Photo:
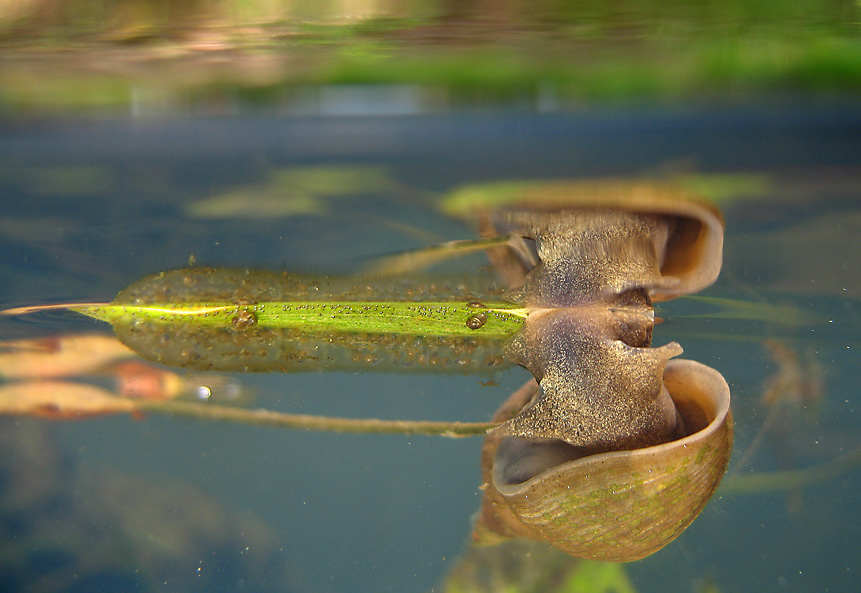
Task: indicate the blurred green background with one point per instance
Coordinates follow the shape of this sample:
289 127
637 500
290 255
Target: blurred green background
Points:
549 54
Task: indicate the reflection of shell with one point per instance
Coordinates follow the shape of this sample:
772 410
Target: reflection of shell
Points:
690 255
616 506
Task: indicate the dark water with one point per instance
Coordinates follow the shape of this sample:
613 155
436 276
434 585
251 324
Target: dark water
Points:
88 206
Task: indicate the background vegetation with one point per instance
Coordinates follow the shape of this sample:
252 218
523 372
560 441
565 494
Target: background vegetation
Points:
547 54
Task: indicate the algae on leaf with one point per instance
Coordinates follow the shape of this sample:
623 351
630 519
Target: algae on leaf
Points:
239 320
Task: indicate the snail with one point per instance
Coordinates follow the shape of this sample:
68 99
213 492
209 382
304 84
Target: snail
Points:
614 449
618 505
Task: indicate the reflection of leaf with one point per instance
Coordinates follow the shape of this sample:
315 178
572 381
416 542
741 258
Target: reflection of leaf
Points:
334 181
467 198
60 356
257 203
559 193
294 191
726 187
60 399
609 192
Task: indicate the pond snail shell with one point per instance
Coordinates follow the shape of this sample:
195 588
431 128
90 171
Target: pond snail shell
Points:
614 506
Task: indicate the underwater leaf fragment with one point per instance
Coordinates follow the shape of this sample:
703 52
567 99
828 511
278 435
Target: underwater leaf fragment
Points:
60 399
59 356
468 198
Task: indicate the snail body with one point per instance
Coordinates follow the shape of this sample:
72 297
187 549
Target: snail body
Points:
594 389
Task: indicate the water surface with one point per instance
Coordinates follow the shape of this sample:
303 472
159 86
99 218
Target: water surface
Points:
90 205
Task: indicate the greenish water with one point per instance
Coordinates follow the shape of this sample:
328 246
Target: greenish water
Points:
89 205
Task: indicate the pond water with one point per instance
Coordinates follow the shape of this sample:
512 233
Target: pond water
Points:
118 503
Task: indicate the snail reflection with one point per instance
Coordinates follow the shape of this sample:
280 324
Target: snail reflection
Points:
614 447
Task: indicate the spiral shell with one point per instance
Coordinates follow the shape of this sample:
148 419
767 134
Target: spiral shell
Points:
615 506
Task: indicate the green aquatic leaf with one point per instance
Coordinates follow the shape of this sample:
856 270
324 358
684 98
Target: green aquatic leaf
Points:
311 336
496 320
241 320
